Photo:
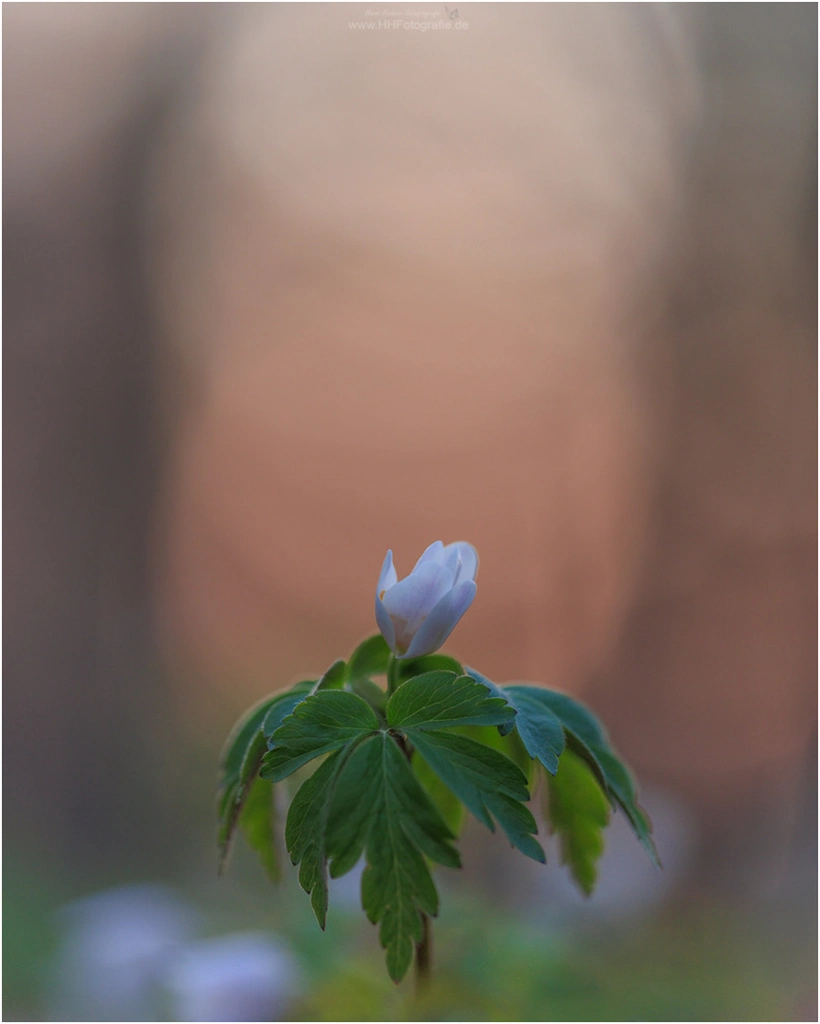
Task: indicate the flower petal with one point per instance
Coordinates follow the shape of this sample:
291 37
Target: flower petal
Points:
442 620
412 599
385 624
433 553
467 562
388 576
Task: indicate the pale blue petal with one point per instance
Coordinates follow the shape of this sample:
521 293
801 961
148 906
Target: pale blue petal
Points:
385 624
467 561
442 620
418 593
412 599
387 577
451 557
433 553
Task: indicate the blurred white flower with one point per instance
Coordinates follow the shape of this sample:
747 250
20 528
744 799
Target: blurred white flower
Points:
113 950
241 977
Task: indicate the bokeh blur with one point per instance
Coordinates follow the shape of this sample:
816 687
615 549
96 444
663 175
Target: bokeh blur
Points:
287 285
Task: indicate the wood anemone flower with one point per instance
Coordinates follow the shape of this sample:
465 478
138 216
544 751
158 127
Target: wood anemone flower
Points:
417 614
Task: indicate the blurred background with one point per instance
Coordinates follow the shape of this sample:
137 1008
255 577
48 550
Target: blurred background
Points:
287 285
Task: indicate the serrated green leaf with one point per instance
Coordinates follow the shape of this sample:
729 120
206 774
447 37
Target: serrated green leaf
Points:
283 705
305 831
622 787
241 758
253 757
488 782
236 795
495 691
369 659
575 717
373 776
335 677
447 803
257 824
352 815
380 808
540 730
236 746
578 811
509 745
321 723
440 700
587 737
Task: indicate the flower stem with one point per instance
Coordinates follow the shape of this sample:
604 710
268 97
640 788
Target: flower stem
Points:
424 953
392 675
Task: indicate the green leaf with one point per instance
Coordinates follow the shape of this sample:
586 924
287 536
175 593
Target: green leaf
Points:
252 759
496 691
335 677
238 790
373 774
321 723
380 808
370 692
305 831
447 803
442 700
575 717
257 825
427 663
283 705
510 745
225 797
587 737
241 758
370 658
622 787
540 730
487 781
233 753
578 811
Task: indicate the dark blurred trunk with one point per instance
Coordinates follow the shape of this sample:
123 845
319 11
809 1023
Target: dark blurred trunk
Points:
721 651
85 433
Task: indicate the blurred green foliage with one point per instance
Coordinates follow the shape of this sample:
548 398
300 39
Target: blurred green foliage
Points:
697 961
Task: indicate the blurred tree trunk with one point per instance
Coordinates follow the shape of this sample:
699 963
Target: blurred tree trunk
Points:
85 431
720 652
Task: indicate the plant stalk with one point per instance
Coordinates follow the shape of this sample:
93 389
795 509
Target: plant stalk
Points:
424 954
392 675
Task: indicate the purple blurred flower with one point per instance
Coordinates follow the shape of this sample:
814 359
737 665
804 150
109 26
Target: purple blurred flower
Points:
239 977
417 614
114 950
